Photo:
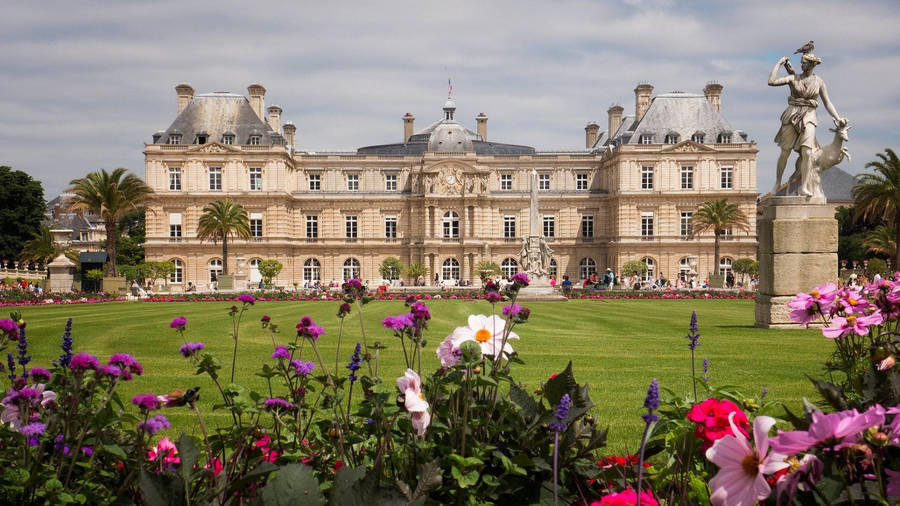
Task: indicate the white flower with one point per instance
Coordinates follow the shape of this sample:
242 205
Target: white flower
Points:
411 386
487 331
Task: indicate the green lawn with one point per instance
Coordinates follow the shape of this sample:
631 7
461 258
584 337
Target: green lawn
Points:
616 346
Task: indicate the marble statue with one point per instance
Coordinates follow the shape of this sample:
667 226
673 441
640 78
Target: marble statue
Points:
798 125
536 253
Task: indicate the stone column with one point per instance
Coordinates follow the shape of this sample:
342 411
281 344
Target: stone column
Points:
60 268
797 251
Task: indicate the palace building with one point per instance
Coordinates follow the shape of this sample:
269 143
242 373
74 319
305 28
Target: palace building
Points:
446 197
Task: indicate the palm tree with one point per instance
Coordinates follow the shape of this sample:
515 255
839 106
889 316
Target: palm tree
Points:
878 195
718 215
109 195
880 241
221 219
40 248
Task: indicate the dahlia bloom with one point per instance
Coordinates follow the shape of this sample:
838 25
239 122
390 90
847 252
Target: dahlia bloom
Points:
487 331
10 328
741 480
124 360
627 497
828 427
713 422
842 326
410 384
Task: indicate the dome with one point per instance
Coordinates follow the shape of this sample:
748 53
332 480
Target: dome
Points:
449 104
450 137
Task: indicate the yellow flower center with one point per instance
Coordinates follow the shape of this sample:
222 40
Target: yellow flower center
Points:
852 301
483 335
750 465
851 320
814 293
421 396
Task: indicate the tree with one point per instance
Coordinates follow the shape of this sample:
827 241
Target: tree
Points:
269 270
414 271
109 195
634 265
487 269
878 195
390 268
158 270
718 215
880 241
132 234
745 267
41 248
21 211
220 220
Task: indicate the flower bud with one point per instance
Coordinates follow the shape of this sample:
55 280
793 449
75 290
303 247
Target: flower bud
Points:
471 351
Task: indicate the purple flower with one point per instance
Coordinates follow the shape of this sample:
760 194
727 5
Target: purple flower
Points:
355 360
305 321
87 450
353 286
562 413
178 323
83 361
109 370
126 361
66 346
11 362
693 336
281 351
307 328
24 357
34 429
154 424
399 322
190 349
279 405
60 445
344 310
10 328
705 369
420 311
511 310
302 368
40 374
246 298
265 319
651 402
147 402
520 279
494 297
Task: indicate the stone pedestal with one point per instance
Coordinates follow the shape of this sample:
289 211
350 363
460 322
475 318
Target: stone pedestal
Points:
225 282
797 250
61 277
539 289
115 285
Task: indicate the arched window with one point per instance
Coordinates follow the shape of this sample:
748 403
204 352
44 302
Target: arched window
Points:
215 269
553 268
351 268
451 224
255 276
177 275
587 266
649 276
509 267
684 268
312 270
725 264
450 269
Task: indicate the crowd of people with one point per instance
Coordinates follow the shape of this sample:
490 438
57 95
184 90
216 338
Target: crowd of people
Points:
21 285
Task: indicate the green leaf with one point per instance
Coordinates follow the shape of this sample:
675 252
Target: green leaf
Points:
115 450
832 393
484 380
429 479
293 484
465 480
189 453
563 383
348 489
529 408
163 489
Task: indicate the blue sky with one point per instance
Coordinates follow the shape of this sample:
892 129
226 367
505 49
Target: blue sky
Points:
85 84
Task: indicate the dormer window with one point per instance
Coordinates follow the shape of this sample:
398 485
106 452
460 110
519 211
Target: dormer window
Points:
254 140
724 138
175 139
671 139
202 138
645 139
228 139
698 138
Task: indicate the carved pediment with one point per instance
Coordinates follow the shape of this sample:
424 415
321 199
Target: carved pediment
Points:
687 146
213 147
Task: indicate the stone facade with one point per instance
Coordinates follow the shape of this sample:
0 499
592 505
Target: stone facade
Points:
447 210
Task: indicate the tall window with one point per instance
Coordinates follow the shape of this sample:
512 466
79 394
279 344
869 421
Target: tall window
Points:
312 270
450 269
586 267
646 178
175 139
553 267
390 182
352 182
174 179
506 182
687 223
451 224
687 177
645 139
390 227
315 182
725 266
647 225
215 269
549 226
255 178
684 268
543 182
727 178
587 225
175 226
215 178
671 139
648 276
312 227
177 276
256 225
509 226
509 267
254 140
175 231
351 268
581 181
350 227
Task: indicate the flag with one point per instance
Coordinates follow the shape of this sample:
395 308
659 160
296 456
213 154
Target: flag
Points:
450 86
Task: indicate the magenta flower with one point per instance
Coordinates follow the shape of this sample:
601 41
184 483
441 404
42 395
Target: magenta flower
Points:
178 323
124 360
494 297
281 351
809 472
307 328
111 371
742 469
83 361
279 405
302 368
841 326
190 349
246 298
806 306
828 428
154 424
420 310
39 374
893 483
399 322
520 278
10 328
147 402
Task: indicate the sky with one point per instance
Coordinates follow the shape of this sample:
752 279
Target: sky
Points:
83 85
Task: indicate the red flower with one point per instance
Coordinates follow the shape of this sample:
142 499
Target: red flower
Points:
711 417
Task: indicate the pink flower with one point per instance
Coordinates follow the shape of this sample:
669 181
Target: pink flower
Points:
411 386
807 306
893 483
808 473
852 323
853 302
627 497
830 427
741 480
166 450
887 363
447 354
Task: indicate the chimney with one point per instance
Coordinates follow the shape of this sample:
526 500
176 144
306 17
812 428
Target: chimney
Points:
615 119
275 118
590 134
185 95
642 100
713 92
408 121
290 135
481 119
257 92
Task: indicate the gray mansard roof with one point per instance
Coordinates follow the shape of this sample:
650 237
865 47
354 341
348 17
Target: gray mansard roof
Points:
683 114
217 114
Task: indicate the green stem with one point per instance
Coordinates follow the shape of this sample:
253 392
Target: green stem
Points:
362 330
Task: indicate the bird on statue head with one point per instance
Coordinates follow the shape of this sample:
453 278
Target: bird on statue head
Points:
806 48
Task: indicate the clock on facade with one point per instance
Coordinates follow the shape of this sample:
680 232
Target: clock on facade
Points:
451 179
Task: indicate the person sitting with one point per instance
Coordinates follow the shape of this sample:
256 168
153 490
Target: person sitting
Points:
566 284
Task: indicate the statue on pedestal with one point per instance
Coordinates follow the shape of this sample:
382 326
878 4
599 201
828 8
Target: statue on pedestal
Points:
798 125
536 253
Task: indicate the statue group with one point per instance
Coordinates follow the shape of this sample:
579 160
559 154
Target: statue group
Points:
798 126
